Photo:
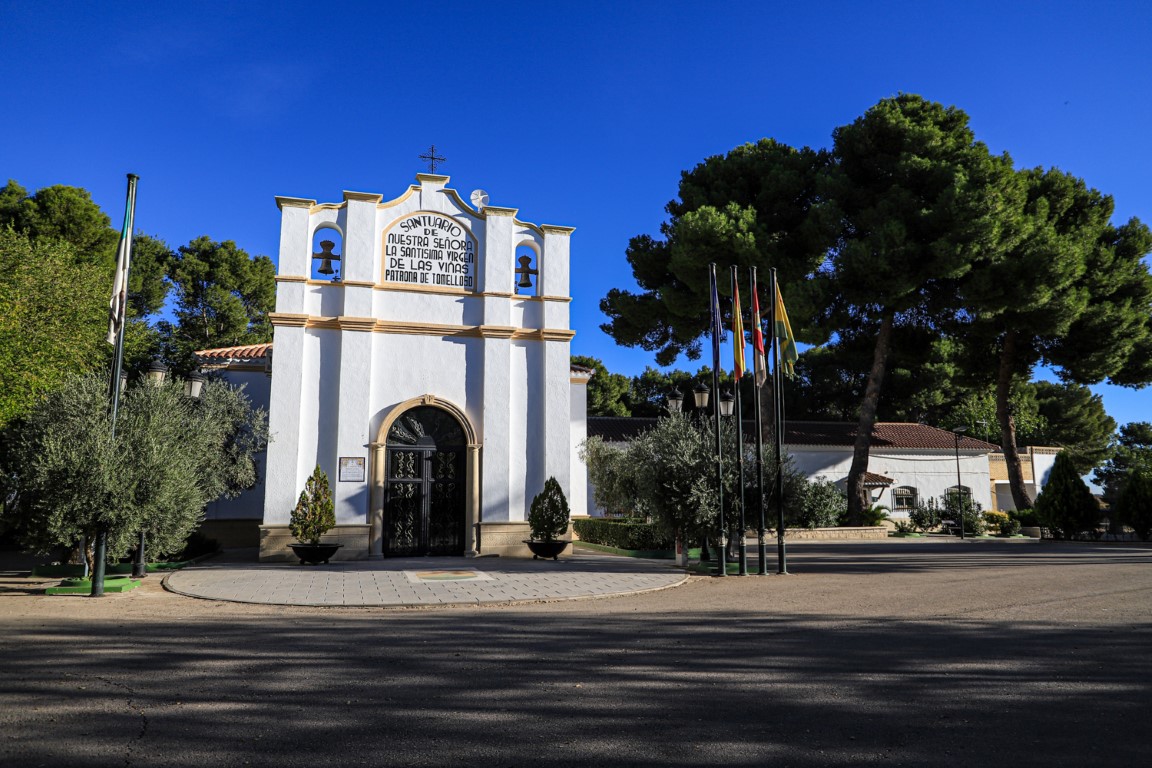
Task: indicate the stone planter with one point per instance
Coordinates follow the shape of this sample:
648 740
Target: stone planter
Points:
315 553
1031 531
546 549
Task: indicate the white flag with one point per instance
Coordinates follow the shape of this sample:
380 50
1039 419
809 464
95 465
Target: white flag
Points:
118 304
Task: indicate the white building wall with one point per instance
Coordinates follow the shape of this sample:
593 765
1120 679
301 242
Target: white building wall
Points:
249 505
348 352
931 473
581 489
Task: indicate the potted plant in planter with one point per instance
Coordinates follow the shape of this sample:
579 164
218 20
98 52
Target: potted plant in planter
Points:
548 519
313 517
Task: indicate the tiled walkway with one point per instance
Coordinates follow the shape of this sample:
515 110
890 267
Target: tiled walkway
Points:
423 581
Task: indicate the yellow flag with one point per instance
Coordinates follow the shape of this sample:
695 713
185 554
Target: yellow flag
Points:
788 353
737 333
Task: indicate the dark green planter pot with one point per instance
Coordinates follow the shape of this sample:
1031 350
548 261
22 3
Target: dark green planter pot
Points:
546 549
315 553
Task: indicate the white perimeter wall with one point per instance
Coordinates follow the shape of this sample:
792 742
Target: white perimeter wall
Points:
931 473
250 504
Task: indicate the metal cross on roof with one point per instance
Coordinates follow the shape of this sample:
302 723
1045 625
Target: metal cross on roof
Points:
432 158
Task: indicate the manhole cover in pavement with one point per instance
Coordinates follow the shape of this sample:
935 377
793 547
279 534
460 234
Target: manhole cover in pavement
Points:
450 574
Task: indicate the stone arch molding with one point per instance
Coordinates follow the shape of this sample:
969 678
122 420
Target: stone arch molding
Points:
400 409
380 475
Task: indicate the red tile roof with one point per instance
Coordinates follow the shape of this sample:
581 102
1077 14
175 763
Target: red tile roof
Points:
885 434
246 352
873 480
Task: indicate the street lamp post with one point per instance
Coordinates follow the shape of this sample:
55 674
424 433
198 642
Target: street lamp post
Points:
727 408
957 432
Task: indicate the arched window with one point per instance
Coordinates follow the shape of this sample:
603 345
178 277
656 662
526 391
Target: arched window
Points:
963 491
904 498
327 250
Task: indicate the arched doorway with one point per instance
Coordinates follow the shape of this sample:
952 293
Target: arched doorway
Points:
425 484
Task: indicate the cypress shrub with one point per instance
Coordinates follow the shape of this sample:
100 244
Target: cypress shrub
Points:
1134 507
1066 507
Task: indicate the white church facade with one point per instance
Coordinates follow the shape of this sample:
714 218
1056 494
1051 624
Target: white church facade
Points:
421 358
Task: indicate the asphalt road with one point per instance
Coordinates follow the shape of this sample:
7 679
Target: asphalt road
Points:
901 653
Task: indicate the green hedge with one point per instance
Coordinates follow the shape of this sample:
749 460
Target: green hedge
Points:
623 534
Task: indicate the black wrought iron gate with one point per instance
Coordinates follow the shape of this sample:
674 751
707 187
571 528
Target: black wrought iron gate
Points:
424 498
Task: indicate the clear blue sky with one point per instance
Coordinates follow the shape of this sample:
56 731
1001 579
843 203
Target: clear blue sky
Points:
580 114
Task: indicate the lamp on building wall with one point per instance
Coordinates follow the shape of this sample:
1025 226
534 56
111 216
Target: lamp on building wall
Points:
957 432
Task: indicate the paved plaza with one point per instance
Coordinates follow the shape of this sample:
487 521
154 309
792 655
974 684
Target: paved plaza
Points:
425 581
908 653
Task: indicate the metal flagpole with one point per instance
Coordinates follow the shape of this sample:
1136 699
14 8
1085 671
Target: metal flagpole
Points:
738 373
778 408
119 318
757 364
721 557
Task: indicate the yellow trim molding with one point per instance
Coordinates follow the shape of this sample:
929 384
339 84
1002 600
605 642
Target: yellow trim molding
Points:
293 202
405 328
408 287
464 207
362 197
291 279
397 200
554 229
290 319
495 210
356 323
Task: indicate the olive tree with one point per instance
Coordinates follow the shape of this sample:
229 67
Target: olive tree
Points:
169 457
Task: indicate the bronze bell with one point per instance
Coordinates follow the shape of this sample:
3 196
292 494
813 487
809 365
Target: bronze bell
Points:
525 271
327 257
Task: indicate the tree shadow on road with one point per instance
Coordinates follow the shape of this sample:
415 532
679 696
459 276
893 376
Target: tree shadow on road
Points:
522 687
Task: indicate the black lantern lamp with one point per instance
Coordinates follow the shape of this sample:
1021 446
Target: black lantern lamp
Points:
156 373
700 395
675 401
194 384
727 403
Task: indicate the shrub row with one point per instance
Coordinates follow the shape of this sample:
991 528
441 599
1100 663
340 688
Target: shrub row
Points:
622 534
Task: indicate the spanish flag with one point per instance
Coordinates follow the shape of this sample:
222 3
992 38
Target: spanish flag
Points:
788 353
758 361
